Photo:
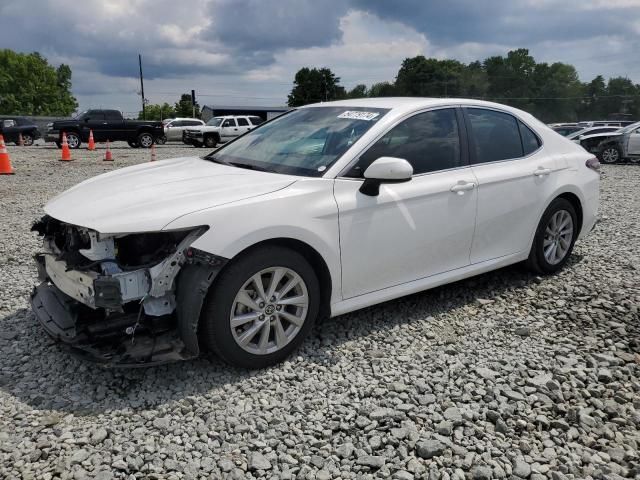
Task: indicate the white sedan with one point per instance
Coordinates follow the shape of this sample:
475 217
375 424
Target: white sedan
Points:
327 209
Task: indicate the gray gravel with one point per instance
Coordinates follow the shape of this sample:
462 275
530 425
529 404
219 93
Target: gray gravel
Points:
503 376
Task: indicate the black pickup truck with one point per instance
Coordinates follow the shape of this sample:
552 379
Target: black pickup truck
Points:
106 125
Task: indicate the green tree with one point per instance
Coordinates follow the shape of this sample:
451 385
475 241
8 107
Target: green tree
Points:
30 86
382 89
184 107
311 85
359 91
159 112
429 77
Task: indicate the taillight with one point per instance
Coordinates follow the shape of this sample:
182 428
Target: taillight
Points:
593 164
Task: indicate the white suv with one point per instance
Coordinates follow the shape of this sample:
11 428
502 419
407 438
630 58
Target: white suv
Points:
324 210
220 130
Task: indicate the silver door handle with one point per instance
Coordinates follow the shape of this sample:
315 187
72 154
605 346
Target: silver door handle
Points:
460 188
541 172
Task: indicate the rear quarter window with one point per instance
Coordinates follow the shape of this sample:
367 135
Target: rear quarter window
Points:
530 141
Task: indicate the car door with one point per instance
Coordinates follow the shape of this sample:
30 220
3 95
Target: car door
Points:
415 229
516 177
633 147
95 121
229 129
243 125
174 130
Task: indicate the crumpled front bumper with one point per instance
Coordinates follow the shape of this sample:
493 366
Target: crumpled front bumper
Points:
104 342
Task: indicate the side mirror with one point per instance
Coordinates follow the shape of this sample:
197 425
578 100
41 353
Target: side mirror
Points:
385 170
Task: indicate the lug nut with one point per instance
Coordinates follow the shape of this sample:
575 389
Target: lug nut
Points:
261 317
261 305
272 318
278 307
273 299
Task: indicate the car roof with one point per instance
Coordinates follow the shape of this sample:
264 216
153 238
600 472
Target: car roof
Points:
408 104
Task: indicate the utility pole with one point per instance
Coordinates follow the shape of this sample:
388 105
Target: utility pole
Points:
193 104
144 116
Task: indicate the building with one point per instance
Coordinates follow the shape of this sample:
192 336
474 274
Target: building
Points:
266 113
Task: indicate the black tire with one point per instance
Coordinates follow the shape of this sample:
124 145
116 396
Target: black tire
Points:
610 154
133 144
215 330
73 143
537 261
161 140
210 141
145 140
196 144
27 139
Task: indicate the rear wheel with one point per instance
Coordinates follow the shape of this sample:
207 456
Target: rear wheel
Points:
261 307
555 237
610 154
196 143
145 140
27 139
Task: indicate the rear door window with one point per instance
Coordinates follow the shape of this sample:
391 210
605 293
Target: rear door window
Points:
494 136
243 122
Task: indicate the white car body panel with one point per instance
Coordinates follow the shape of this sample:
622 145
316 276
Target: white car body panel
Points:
403 229
412 236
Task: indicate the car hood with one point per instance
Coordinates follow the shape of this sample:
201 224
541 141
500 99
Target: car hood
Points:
58 124
149 196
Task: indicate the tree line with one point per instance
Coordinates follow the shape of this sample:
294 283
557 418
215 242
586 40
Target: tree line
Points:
30 86
181 109
551 92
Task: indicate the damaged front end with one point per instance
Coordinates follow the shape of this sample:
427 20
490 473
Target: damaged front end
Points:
125 299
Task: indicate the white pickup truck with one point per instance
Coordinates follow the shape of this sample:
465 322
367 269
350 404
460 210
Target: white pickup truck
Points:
220 130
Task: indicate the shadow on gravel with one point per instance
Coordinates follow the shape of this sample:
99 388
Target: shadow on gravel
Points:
46 376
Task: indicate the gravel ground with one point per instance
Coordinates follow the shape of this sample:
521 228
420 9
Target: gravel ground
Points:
506 375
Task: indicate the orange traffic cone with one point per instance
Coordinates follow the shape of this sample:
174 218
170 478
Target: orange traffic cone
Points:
5 161
66 153
107 154
153 152
92 144
20 140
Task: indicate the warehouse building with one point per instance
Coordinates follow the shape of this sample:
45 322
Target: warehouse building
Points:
266 113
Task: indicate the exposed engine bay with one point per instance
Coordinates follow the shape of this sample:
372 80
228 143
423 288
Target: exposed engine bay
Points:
126 298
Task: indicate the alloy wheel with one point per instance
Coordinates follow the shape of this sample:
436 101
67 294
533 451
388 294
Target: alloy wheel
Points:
73 140
269 310
145 141
558 236
610 155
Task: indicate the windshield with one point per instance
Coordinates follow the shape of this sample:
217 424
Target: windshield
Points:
303 142
629 128
80 115
215 122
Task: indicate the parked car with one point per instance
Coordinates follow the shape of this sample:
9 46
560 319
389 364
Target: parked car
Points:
12 127
324 210
106 125
174 128
605 123
220 130
613 147
577 136
566 129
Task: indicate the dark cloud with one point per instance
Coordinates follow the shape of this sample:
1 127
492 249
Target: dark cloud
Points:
505 22
262 28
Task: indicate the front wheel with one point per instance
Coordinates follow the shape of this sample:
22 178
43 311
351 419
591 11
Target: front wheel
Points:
210 141
27 139
555 237
145 140
261 307
73 140
610 154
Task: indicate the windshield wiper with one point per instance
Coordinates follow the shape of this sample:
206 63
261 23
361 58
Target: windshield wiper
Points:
247 166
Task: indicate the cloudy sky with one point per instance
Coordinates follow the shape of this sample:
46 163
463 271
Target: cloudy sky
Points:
245 52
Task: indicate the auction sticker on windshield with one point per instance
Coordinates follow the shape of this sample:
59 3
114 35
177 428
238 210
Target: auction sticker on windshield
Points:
355 115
